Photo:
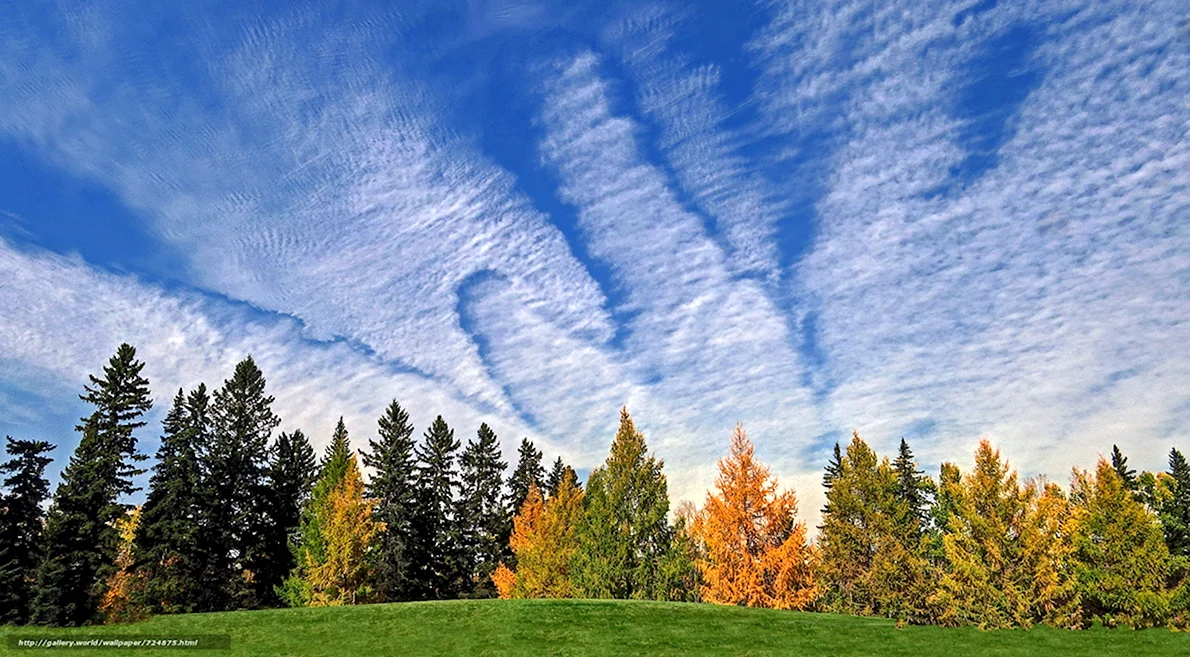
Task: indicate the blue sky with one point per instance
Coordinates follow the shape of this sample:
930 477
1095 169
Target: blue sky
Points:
938 220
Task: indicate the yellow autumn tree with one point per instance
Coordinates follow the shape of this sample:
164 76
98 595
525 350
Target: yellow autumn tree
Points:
343 576
121 600
985 579
1121 559
543 540
753 549
1047 555
543 560
524 534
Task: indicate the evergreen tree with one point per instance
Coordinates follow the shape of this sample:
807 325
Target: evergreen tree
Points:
481 511
436 553
624 534
392 485
235 508
528 473
165 547
914 490
1175 509
21 525
832 467
80 534
554 478
291 473
1119 463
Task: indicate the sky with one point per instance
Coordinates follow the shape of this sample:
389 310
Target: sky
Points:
933 220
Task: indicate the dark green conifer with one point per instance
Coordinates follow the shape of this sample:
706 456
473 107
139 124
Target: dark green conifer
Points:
527 473
482 517
1119 463
235 513
913 490
437 556
291 474
80 535
393 486
166 546
1175 511
21 517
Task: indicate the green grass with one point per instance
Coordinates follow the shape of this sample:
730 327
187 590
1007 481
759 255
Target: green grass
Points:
586 627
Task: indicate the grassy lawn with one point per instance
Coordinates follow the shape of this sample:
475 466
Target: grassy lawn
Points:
585 627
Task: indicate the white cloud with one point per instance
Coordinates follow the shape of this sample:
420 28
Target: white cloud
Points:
1043 304
72 319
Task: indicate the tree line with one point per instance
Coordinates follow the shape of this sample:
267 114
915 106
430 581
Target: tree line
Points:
237 518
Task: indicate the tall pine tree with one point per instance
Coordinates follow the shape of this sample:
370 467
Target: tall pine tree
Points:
1175 510
393 486
554 478
914 490
80 534
166 550
235 507
437 557
624 534
1119 463
529 472
481 515
291 473
21 516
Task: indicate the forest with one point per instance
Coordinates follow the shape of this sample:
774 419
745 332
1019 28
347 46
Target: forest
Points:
236 517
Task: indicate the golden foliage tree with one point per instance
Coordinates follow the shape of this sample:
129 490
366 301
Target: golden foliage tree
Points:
754 552
985 580
544 542
1047 555
1122 559
543 561
121 601
343 575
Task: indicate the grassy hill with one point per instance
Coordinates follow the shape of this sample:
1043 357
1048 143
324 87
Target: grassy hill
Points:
585 627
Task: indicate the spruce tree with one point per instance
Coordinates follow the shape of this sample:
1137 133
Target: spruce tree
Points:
291 473
913 491
436 554
1119 463
832 467
21 525
80 534
235 513
392 485
624 534
554 478
528 472
1175 510
482 516
166 544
